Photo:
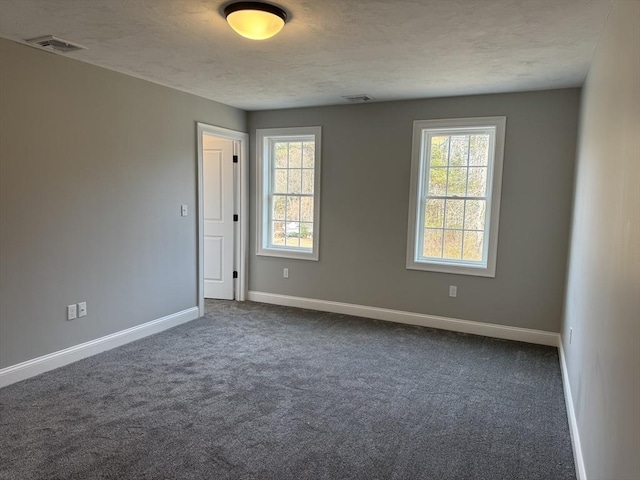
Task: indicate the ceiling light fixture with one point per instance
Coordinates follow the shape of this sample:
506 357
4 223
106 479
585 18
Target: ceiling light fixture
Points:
255 20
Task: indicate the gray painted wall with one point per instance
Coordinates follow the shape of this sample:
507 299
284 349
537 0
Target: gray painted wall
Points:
94 168
603 292
366 157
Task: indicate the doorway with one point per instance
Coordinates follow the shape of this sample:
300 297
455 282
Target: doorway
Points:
222 214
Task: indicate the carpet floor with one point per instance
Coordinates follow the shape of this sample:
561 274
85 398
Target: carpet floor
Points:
253 391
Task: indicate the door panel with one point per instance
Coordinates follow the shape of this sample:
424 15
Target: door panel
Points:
218 194
213 269
213 188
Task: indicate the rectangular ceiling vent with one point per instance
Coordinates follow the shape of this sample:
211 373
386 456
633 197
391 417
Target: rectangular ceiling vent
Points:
363 98
55 44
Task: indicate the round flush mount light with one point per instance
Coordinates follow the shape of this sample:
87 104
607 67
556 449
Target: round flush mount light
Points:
255 20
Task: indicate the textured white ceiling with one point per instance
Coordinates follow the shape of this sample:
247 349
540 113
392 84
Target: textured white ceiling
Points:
394 49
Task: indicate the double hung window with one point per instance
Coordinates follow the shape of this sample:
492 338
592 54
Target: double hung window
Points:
455 195
288 165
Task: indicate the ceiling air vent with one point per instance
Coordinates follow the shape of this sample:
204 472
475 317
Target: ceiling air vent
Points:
363 98
55 44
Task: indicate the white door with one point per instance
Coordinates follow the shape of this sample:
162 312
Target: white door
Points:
218 195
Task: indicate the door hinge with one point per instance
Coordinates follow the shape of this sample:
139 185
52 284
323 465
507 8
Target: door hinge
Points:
235 218
235 159
235 274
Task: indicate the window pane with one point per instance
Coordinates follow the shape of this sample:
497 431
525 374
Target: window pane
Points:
295 155
280 181
434 214
306 233
279 206
477 182
459 150
292 240
308 154
306 209
452 244
292 229
295 181
293 208
457 184
281 149
307 181
432 243
306 242
437 181
277 233
479 150
439 151
474 215
454 215
473 246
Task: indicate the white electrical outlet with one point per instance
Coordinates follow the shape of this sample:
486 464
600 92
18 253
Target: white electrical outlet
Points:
570 334
285 273
72 312
183 210
453 291
82 309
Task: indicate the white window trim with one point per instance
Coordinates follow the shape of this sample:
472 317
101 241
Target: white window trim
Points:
262 207
493 210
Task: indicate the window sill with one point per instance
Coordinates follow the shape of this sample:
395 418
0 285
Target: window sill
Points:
480 271
288 253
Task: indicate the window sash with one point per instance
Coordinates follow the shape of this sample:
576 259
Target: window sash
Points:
273 141
286 221
426 153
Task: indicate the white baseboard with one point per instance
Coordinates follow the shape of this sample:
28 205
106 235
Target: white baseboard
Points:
465 326
36 366
571 413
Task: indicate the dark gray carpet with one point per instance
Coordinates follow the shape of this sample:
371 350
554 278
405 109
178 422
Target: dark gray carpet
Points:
253 391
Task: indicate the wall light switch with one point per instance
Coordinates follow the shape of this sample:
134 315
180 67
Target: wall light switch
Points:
453 291
72 312
183 210
82 309
285 273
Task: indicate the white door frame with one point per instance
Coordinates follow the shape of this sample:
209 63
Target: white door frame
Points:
241 179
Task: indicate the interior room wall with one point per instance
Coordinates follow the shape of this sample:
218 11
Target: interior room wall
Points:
366 158
601 330
94 167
